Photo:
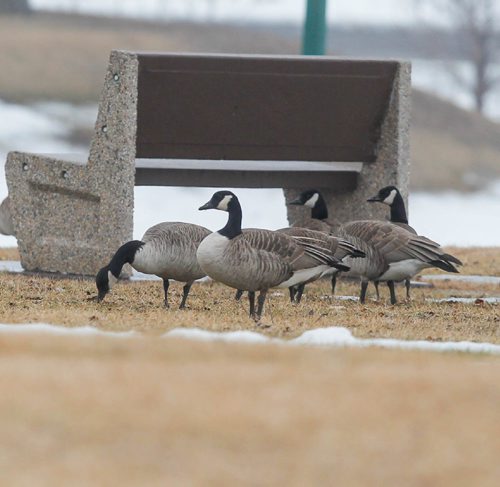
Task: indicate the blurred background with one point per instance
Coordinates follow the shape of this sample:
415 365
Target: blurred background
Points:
53 56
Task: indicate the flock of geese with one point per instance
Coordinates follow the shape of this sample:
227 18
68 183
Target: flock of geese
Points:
256 260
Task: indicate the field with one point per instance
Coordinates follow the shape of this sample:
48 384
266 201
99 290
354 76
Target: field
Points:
152 411
155 411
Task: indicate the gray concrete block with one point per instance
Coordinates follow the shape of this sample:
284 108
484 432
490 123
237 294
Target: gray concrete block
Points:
70 214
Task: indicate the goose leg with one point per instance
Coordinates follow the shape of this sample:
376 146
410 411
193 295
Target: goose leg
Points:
334 284
364 287
407 285
393 292
291 290
375 283
165 290
238 294
251 301
185 292
300 291
260 302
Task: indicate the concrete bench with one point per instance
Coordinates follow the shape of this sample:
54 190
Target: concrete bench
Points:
212 120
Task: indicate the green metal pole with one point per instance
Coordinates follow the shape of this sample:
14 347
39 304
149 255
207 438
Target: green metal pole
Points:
313 41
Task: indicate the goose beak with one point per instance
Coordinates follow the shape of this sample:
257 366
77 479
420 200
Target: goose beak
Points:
374 199
207 206
296 201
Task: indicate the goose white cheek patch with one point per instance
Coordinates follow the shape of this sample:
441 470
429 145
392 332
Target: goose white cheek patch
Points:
224 202
312 200
390 199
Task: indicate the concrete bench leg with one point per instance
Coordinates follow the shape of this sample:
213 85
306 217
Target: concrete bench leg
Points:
70 216
390 168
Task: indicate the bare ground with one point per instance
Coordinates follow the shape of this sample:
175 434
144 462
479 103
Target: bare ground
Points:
149 411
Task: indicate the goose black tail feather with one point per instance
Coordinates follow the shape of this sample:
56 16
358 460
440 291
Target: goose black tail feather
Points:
450 258
342 267
442 264
357 253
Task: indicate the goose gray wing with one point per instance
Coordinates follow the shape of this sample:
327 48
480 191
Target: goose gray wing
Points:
337 246
276 243
313 224
395 244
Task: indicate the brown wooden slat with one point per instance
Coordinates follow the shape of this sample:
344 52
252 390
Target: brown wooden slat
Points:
260 108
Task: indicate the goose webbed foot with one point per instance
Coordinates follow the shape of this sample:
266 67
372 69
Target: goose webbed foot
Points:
238 294
300 291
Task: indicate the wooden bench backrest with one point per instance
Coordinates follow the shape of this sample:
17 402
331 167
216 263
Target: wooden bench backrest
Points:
261 107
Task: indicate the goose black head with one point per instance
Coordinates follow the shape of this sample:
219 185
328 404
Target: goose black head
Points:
104 281
307 198
386 195
221 200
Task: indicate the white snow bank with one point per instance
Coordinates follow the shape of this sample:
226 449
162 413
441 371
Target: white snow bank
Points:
45 328
473 279
334 336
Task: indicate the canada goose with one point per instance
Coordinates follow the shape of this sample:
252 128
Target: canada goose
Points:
392 253
319 219
338 247
167 250
391 196
256 259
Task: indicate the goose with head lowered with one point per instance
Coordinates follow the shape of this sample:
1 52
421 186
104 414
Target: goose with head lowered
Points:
256 259
391 196
167 250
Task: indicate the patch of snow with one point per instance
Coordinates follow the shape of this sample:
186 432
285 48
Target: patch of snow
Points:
324 337
337 337
242 336
46 328
465 278
10 266
489 300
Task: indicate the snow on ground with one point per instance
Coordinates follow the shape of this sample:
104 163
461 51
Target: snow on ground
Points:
43 127
333 337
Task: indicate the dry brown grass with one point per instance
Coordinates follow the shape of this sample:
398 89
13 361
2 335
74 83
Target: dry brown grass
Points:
149 411
138 306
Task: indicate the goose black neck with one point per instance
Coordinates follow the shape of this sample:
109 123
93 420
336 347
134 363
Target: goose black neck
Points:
398 210
320 210
124 255
233 225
